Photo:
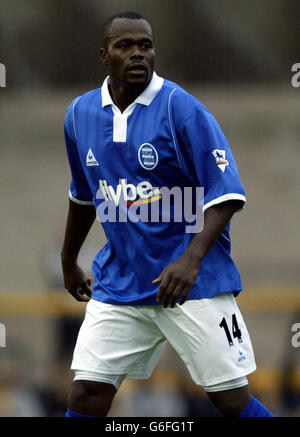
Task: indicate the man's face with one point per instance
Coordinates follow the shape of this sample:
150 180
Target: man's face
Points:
130 54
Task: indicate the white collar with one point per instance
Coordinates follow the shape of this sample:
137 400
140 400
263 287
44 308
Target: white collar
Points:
145 98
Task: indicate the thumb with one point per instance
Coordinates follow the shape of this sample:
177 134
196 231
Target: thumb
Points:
160 277
85 288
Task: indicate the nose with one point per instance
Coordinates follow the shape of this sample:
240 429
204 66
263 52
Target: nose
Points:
136 52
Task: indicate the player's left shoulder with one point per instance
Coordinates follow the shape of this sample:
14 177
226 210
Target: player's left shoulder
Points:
183 101
185 107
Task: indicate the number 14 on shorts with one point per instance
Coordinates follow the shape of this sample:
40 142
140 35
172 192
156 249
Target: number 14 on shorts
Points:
236 332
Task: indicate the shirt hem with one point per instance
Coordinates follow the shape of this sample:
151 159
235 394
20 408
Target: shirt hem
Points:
224 198
80 202
152 301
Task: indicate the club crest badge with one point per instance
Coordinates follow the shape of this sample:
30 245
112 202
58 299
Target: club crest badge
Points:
148 156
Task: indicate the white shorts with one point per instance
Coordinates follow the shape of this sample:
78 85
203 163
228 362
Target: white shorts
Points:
209 335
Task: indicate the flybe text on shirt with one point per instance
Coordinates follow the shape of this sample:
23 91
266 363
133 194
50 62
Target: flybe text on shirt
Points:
142 193
177 204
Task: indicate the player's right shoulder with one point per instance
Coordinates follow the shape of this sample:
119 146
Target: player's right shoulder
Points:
77 108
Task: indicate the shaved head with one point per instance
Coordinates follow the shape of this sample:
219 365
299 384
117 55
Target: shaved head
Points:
108 23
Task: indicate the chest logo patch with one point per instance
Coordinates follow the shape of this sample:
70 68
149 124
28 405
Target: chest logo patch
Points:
220 156
148 156
90 159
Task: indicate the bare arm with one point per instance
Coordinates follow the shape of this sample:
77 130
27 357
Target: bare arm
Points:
79 222
179 277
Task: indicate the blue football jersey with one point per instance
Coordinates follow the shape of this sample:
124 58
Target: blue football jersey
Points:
165 138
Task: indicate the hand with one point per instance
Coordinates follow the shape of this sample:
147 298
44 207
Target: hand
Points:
76 283
177 278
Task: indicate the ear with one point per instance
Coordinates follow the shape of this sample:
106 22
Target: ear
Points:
103 56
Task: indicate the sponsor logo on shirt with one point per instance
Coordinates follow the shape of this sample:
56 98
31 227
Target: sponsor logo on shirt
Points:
128 202
137 195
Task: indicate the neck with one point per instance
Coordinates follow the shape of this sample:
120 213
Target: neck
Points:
123 96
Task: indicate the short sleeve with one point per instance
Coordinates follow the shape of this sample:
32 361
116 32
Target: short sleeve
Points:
207 157
79 190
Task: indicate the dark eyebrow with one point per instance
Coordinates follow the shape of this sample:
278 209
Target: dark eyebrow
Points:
130 40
